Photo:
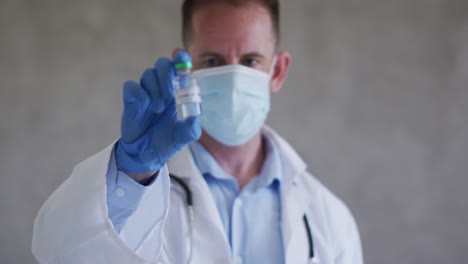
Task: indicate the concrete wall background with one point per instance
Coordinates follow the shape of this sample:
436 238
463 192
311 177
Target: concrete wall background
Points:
376 103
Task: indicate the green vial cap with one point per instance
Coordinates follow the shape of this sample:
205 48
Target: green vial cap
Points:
183 65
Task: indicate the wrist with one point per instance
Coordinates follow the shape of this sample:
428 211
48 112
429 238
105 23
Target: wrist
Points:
130 159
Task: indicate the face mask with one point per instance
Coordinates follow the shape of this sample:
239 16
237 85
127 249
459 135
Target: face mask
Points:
235 101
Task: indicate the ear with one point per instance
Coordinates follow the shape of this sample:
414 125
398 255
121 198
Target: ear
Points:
283 60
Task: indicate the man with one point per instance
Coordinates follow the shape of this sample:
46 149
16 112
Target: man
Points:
239 194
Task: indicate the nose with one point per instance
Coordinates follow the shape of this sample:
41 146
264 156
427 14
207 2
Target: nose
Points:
232 60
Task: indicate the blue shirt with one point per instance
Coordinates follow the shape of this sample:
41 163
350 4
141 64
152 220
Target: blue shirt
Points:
251 216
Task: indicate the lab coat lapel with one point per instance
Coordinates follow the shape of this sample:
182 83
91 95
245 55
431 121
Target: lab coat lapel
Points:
293 201
295 241
206 216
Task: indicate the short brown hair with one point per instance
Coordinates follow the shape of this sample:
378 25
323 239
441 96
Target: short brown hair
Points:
189 7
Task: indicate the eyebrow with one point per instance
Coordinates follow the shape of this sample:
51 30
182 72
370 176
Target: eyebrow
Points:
253 54
210 54
218 55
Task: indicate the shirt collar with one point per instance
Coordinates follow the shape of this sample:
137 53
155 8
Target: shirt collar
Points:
206 163
271 169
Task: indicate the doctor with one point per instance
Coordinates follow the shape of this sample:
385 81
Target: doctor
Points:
220 188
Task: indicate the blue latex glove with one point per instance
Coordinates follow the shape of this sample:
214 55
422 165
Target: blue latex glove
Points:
150 133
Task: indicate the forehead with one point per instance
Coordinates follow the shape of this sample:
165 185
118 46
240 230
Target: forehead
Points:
223 27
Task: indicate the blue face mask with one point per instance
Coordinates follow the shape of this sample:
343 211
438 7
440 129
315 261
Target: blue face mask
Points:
235 102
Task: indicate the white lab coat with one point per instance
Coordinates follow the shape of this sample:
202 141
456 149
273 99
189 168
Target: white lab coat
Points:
73 227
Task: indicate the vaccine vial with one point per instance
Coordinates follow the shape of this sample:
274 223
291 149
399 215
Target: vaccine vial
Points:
187 92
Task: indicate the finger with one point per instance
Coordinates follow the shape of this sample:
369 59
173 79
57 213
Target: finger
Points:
186 131
149 82
136 100
165 73
161 139
136 103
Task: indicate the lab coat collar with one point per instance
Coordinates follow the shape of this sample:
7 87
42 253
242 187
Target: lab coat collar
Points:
292 164
183 166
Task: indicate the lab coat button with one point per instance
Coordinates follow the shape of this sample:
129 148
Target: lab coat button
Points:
238 260
120 192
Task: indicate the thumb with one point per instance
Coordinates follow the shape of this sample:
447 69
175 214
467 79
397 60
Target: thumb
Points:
186 131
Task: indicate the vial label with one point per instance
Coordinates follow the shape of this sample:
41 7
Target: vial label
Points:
188 95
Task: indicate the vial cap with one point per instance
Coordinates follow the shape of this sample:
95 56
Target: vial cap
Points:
182 60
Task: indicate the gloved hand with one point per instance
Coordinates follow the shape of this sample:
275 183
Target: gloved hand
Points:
150 132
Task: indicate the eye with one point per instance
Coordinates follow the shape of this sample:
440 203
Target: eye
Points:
250 62
212 62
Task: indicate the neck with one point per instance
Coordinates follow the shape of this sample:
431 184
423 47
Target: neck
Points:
242 162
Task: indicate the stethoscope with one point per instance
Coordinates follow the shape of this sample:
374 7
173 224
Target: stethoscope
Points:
313 258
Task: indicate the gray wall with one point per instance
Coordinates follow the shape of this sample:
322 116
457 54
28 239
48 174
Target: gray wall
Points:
376 103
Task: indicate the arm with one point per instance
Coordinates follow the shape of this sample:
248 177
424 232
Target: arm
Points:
136 210
73 225
76 224
124 193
